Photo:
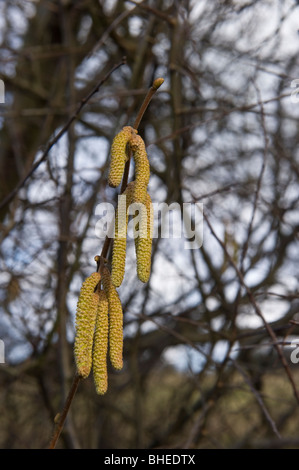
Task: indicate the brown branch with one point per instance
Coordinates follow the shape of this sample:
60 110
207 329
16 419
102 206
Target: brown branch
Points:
65 411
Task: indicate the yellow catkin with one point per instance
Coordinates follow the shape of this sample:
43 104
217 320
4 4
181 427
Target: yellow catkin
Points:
85 323
142 168
115 320
100 346
120 236
143 243
119 155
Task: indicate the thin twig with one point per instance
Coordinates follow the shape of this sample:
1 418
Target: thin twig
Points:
65 411
108 31
65 128
258 398
219 114
259 182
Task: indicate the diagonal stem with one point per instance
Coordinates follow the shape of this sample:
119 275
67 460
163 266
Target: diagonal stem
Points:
65 411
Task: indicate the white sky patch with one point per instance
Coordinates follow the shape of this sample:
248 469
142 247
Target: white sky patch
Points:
220 350
90 68
86 24
165 283
40 190
135 25
184 357
109 6
2 20
289 38
91 154
197 9
272 309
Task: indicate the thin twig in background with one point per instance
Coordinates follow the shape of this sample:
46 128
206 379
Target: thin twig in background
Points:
258 398
64 129
259 182
219 114
257 309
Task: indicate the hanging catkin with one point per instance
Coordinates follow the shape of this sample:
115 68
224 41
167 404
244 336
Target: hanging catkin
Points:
100 345
142 168
85 324
115 320
120 236
119 155
143 242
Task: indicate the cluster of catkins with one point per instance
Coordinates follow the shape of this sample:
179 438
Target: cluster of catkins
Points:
136 197
99 316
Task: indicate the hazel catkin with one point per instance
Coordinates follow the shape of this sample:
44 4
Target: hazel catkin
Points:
119 155
142 168
120 236
85 324
143 242
100 345
115 320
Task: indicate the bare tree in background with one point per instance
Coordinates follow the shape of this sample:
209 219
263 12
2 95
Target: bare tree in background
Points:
210 341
